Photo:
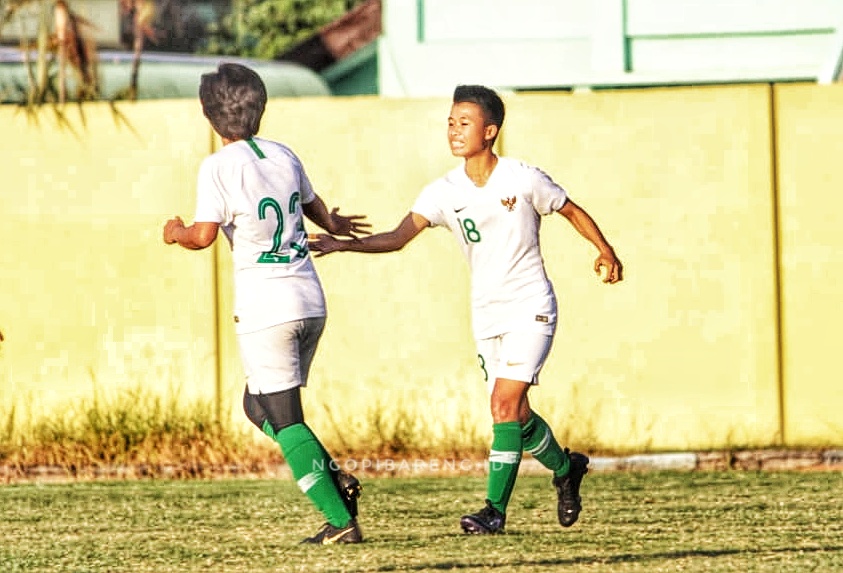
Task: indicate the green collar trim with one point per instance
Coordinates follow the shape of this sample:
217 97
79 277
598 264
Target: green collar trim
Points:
255 148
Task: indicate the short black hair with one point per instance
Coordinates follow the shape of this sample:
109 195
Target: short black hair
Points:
488 100
233 99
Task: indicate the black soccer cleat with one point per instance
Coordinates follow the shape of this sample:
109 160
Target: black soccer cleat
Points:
568 489
328 534
350 489
487 520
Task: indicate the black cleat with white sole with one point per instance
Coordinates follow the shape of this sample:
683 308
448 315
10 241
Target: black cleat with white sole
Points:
568 489
329 535
487 520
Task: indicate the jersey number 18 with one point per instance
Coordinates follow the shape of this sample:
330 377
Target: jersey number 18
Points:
470 234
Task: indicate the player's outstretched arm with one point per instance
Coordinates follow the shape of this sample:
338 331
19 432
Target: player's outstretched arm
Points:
333 222
393 240
586 227
196 236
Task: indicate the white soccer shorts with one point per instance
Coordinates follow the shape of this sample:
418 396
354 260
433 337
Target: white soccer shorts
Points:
514 356
278 358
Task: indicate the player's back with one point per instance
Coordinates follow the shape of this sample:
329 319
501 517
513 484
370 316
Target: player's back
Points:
260 186
265 185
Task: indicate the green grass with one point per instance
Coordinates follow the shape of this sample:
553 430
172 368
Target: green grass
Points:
653 522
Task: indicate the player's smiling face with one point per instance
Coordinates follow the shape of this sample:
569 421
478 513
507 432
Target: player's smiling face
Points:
468 133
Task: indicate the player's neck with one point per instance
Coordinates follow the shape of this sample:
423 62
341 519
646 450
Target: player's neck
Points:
480 167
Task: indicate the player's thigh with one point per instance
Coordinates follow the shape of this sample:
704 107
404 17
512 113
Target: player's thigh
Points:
488 351
516 356
311 332
279 358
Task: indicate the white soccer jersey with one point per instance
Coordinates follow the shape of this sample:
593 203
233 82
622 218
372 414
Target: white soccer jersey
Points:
255 189
497 228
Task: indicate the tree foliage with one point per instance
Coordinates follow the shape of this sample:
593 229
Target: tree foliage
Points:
267 28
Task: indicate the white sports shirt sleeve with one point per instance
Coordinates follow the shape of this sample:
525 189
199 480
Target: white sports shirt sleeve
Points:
497 228
256 194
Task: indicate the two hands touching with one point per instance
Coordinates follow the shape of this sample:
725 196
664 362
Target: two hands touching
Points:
342 225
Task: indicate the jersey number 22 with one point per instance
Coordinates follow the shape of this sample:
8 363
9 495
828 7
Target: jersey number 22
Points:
276 254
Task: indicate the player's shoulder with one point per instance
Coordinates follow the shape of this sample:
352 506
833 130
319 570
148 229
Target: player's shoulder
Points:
443 183
527 170
454 176
516 165
216 161
517 171
270 147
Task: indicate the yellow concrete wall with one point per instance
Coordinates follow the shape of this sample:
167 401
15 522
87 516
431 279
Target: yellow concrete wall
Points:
682 354
810 143
89 296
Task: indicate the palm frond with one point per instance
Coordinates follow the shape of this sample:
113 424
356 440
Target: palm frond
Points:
142 15
76 48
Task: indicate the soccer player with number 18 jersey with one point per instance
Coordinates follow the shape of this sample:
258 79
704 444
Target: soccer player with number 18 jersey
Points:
493 206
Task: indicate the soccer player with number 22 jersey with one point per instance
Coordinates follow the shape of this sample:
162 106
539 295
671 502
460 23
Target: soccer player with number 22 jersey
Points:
257 192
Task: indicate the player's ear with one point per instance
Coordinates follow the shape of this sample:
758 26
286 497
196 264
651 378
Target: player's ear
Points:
491 132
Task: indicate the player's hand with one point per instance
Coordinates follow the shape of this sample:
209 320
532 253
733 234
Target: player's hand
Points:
322 244
348 225
614 268
171 230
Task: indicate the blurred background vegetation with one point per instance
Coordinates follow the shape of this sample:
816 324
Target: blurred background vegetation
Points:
268 28
59 49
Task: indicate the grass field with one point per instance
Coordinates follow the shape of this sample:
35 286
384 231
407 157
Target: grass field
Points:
659 521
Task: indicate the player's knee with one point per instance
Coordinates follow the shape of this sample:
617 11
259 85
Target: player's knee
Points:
504 409
282 409
253 410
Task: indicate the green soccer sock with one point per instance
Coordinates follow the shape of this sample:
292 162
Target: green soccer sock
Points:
504 458
540 443
309 464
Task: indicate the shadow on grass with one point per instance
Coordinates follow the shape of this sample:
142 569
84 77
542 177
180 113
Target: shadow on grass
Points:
610 559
